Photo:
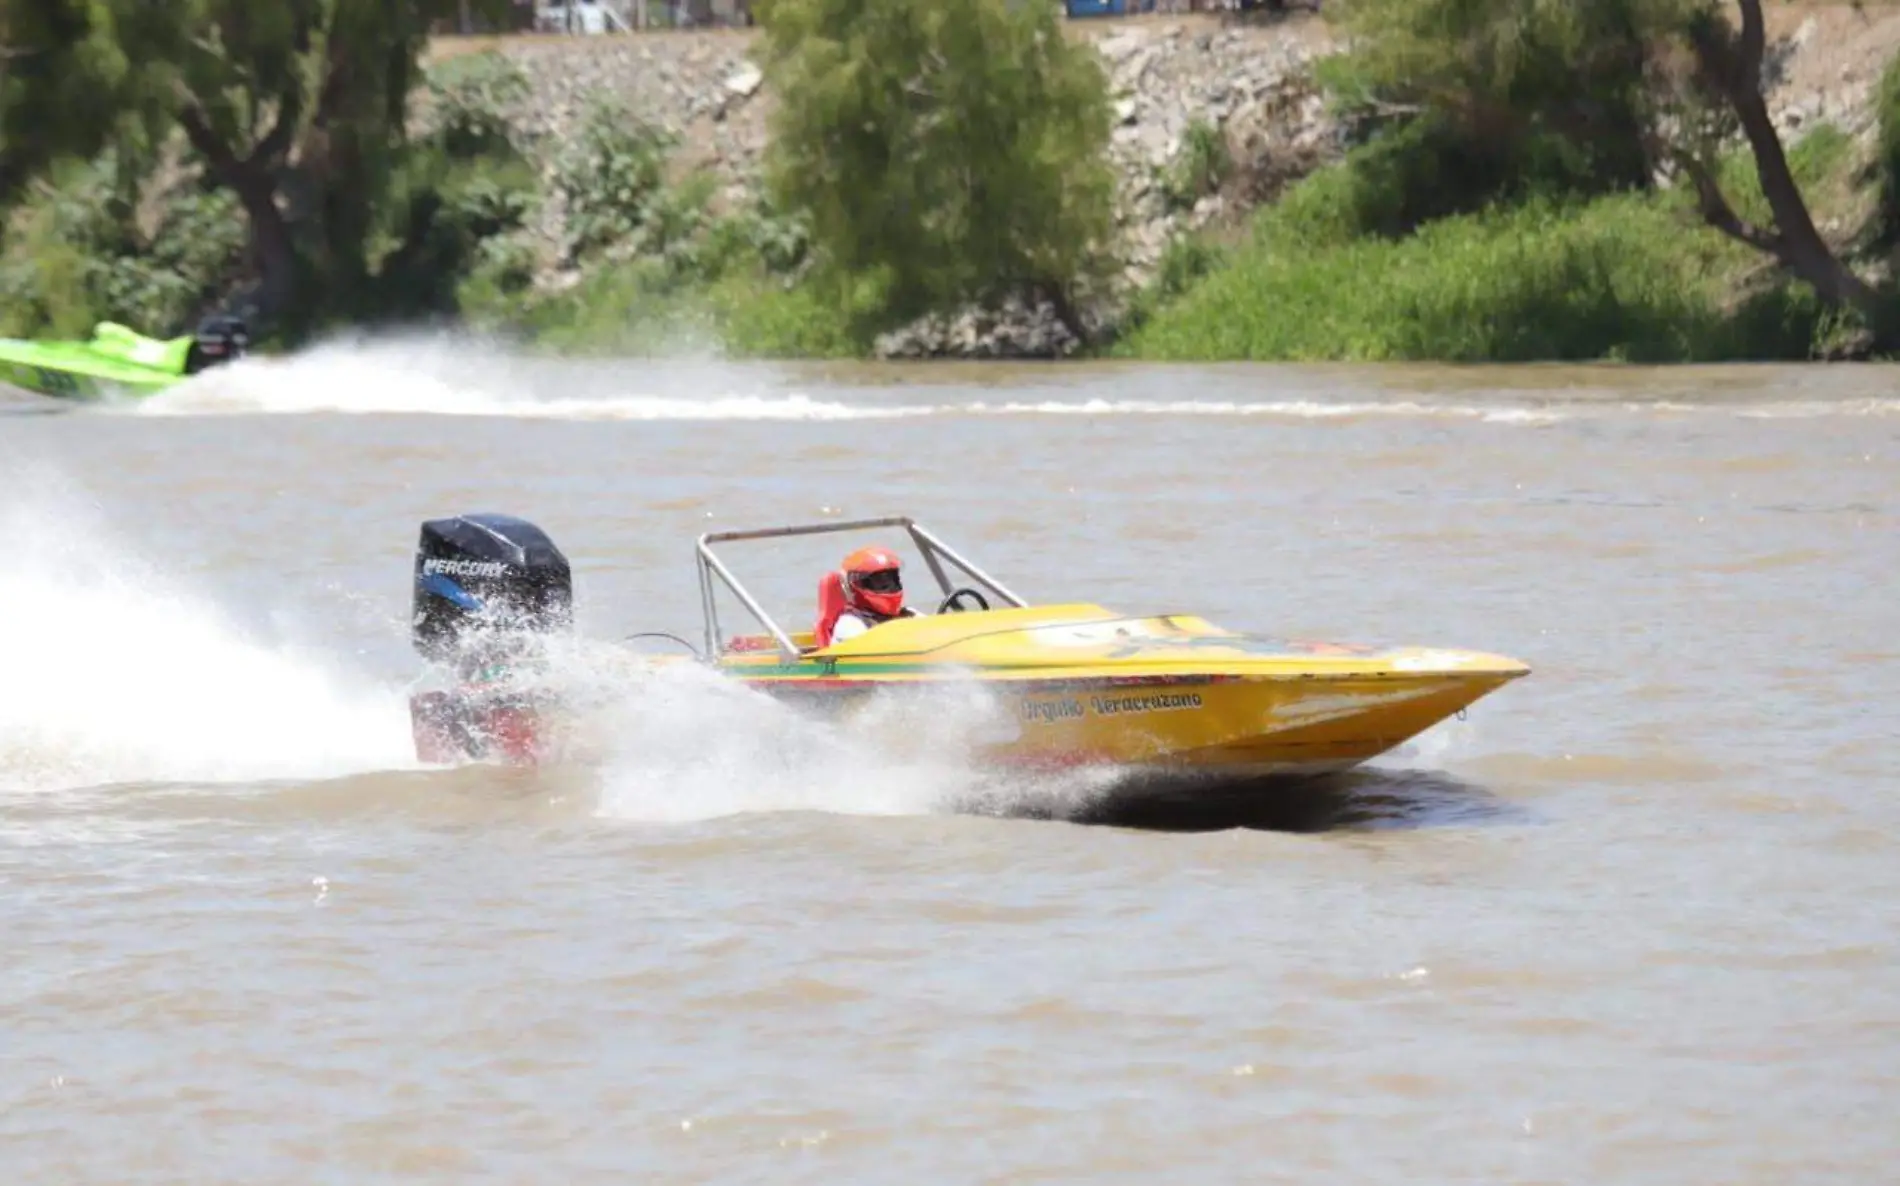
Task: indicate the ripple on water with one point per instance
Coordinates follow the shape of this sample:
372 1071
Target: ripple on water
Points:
1626 923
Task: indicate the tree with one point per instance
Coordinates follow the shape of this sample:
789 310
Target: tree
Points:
1719 89
59 87
941 153
1513 94
1633 86
295 106
296 111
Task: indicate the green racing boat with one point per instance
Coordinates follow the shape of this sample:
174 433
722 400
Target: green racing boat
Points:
119 361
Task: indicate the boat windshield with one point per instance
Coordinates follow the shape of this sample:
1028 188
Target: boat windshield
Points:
938 557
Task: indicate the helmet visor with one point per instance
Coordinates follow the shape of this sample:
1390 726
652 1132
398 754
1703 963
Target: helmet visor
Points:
885 580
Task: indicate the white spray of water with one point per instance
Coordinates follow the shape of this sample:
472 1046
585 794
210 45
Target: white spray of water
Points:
690 745
118 672
675 742
113 672
448 376
458 376
1440 745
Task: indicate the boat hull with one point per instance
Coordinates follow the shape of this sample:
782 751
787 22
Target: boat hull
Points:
65 371
1179 730
1230 726
1080 687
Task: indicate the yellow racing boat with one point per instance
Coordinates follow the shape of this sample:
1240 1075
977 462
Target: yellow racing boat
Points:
1072 684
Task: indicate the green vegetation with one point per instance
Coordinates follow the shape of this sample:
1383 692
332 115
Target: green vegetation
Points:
1529 180
922 157
1631 276
973 168
658 266
1477 101
1503 203
942 153
83 248
1199 169
295 113
1617 278
1886 163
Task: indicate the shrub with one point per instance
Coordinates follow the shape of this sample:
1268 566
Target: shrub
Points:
609 178
939 153
1628 277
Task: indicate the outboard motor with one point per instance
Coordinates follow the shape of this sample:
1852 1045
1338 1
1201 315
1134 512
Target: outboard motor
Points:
487 589
219 339
479 576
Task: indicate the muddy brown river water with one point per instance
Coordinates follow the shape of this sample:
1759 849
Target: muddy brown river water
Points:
1636 919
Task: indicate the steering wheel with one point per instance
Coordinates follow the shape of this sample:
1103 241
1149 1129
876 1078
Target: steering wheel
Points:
953 603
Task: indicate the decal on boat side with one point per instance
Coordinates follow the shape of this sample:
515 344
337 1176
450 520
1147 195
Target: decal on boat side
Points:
466 568
56 382
1052 710
1071 708
1162 702
41 379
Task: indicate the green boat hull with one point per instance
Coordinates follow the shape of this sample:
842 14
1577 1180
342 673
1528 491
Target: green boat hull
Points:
115 363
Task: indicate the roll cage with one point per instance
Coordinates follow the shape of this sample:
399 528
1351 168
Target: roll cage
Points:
935 552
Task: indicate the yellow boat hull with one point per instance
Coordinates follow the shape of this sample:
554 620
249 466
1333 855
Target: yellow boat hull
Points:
1077 685
1243 728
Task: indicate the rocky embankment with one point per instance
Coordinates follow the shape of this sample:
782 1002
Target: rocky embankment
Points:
1251 82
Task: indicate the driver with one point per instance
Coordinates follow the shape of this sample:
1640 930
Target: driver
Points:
873 592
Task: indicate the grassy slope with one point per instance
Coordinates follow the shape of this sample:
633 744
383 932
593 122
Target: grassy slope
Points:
1633 277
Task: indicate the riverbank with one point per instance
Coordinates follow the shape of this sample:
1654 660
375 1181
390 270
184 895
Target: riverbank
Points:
1173 81
626 212
1212 269
1633 277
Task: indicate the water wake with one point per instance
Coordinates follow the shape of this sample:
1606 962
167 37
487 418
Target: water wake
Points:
454 376
116 672
682 743
457 375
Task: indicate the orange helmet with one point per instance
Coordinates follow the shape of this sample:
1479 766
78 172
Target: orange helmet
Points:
871 582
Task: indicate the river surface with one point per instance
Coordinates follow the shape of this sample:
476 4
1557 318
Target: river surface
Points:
1635 920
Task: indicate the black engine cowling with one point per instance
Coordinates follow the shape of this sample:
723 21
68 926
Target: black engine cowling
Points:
218 340
481 579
